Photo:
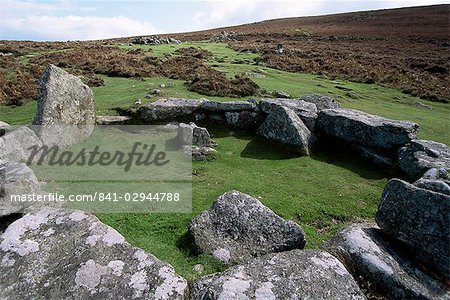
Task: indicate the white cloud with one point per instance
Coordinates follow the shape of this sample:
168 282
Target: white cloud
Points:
52 21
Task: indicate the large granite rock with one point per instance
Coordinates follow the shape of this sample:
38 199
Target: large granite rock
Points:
421 155
228 106
306 111
419 218
387 266
169 109
322 102
16 179
191 134
14 146
68 254
363 129
238 227
243 119
436 180
63 100
284 126
296 274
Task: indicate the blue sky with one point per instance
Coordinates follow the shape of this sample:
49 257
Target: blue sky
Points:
83 20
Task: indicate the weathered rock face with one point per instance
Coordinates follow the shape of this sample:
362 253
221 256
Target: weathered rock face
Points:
165 109
284 126
422 155
112 120
191 134
322 102
63 99
14 145
292 274
4 128
67 254
366 130
366 252
16 179
306 111
243 119
200 153
419 218
435 180
228 106
238 227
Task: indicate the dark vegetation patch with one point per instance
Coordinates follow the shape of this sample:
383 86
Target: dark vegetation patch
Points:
221 86
194 52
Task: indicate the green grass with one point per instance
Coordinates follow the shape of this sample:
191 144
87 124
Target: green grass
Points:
322 192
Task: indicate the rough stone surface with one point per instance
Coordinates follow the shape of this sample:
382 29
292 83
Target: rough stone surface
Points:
16 179
374 156
191 134
364 129
438 186
306 111
112 120
419 218
14 145
292 274
68 254
228 106
366 252
238 227
4 128
169 109
322 102
284 126
243 119
281 94
422 155
200 153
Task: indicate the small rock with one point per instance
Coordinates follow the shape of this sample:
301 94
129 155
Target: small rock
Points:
199 153
322 102
162 85
422 106
281 94
156 92
191 134
138 102
112 120
198 268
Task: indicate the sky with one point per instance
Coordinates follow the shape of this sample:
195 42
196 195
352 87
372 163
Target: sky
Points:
50 20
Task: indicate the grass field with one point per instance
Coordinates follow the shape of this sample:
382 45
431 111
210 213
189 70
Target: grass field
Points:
322 192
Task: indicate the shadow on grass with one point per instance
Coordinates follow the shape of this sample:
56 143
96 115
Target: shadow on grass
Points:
260 148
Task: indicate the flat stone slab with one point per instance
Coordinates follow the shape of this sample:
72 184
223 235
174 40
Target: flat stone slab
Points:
295 274
368 253
68 254
283 125
363 129
112 120
238 227
228 106
419 218
169 109
421 155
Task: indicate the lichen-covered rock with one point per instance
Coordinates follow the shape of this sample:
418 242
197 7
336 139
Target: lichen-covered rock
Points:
243 119
68 254
363 129
366 252
191 134
322 102
14 146
238 227
435 180
419 218
112 120
306 111
169 109
63 99
295 274
16 179
284 126
199 153
421 155
228 106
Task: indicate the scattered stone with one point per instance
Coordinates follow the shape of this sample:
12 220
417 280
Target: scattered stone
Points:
72 254
224 37
364 129
322 102
366 252
284 126
228 106
6 54
419 218
155 92
165 109
422 155
255 75
306 111
199 153
281 94
243 119
191 134
238 227
296 274
198 268
422 106
162 85
16 179
14 145
4 128
148 96
138 102
154 40
112 120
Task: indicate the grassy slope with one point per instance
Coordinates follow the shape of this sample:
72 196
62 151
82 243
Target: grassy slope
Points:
349 189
